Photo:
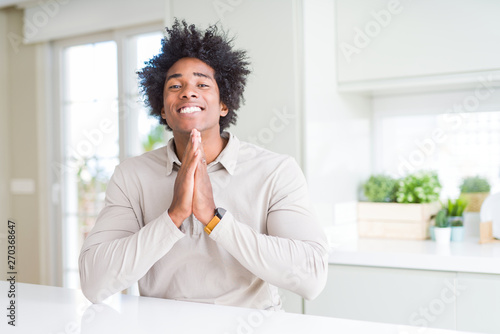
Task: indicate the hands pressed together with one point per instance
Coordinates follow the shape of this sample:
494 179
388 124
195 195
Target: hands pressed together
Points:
192 189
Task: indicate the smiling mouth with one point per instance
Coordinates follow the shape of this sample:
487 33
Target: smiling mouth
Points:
189 110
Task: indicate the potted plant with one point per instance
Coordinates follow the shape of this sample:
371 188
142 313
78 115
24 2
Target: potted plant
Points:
456 219
421 187
399 208
474 190
442 230
380 188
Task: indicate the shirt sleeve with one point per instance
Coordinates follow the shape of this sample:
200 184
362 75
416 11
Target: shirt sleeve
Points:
294 253
118 252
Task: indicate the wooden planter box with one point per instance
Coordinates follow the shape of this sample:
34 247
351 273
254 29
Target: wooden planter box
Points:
395 220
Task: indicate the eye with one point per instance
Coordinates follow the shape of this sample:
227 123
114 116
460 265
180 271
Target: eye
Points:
203 85
174 87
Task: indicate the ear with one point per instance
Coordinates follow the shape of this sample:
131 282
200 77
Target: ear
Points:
223 109
163 113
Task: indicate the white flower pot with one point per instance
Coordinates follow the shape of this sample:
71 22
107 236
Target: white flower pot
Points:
443 235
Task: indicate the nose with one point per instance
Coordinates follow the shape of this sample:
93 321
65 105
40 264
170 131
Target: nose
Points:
189 92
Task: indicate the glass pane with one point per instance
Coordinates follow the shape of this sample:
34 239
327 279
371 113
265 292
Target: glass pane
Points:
145 131
148 45
457 145
92 128
90 142
90 72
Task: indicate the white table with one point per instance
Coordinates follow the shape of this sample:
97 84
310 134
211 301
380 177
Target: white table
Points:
52 310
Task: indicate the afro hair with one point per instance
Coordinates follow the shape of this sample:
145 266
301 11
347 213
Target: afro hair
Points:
214 48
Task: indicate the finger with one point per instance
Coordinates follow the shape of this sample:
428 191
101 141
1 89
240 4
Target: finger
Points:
202 152
193 163
196 147
192 144
190 152
203 201
195 139
201 176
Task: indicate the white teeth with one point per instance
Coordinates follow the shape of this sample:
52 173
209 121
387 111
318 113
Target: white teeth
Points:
189 110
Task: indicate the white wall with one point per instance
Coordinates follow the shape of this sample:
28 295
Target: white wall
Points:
22 156
271 33
5 211
338 156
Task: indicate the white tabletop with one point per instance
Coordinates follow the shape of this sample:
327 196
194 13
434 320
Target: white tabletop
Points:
51 310
466 256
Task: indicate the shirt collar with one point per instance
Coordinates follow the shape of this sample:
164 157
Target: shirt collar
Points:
227 158
229 155
171 156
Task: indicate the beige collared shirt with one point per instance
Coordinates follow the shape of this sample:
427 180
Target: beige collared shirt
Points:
268 237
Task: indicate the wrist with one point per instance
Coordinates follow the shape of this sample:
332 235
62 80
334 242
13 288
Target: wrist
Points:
176 219
207 216
219 214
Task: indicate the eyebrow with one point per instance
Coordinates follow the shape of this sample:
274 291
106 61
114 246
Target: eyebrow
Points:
196 74
176 75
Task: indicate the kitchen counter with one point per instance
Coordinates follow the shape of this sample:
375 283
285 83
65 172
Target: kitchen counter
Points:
466 256
44 309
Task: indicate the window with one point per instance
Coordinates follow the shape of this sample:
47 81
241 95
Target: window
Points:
457 145
102 121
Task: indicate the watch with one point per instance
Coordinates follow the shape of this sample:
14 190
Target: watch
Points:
219 213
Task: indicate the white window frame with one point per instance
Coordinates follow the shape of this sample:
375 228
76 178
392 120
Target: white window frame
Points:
55 274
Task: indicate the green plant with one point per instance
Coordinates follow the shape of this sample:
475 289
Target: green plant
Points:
380 188
154 138
420 187
456 208
456 221
475 184
91 180
442 219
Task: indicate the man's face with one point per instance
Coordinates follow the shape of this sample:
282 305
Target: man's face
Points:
191 97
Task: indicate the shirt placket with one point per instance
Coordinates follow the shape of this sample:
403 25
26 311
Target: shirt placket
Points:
196 225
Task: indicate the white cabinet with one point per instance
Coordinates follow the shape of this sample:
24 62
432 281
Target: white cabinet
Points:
381 40
422 298
478 304
292 302
400 296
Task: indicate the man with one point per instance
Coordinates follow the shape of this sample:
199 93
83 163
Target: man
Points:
206 218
